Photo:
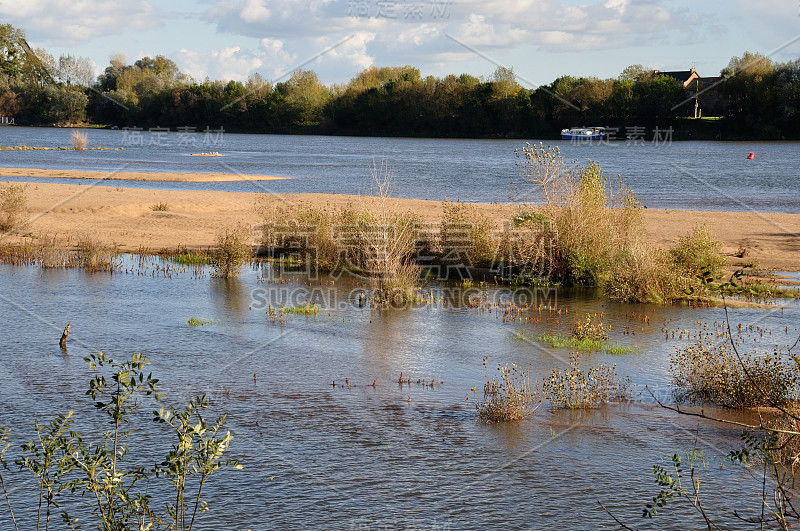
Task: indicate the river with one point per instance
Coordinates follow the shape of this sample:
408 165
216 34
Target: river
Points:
670 175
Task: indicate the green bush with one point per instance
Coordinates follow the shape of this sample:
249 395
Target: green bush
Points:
96 471
697 251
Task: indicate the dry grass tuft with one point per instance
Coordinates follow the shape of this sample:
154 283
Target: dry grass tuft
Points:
232 250
508 397
80 140
96 254
13 205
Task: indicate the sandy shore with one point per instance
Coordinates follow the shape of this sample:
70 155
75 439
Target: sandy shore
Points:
126 217
135 176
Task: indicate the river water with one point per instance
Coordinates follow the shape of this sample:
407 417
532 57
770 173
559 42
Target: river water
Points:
674 175
364 457
321 455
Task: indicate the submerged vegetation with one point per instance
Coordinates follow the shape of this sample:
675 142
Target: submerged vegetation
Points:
574 388
232 250
300 309
194 321
586 344
710 371
508 396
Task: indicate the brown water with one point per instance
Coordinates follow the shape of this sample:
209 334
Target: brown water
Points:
315 455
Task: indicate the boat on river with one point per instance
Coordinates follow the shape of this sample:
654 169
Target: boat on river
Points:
583 133
211 154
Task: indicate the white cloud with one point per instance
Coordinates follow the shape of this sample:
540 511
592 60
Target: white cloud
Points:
76 21
224 64
255 11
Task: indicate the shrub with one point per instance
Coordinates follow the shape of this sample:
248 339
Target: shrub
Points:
80 140
159 207
509 397
387 248
575 389
594 222
645 274
316 236
706 371
13 203
96 254
97 474
698 251
231 251
465 236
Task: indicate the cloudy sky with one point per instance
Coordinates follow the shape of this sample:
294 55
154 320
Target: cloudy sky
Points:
540 39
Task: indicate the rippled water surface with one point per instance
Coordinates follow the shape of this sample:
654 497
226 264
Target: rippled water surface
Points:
319 455
679 175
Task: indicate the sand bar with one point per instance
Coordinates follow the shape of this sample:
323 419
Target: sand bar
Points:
127 218
135 176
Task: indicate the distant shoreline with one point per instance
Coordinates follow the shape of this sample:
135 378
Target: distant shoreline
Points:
135 176
134 218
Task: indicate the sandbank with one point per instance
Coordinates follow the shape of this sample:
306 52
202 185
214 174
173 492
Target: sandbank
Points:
193 218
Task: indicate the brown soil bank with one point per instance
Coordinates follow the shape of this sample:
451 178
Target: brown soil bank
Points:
192 219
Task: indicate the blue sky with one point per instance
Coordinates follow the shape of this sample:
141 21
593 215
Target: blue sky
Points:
540 39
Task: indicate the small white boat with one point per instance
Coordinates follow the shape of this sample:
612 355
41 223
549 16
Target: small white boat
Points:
211 154
583 133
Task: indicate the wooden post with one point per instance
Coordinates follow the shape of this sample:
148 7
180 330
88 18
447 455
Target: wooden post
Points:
63 342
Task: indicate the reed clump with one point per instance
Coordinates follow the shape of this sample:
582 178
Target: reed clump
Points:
80 140
232 250
698 252
594 221
13 205
509 396
96 253
574 388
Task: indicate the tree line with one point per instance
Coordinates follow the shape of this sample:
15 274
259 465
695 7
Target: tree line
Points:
754 97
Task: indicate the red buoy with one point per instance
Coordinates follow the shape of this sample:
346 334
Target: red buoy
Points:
751 156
